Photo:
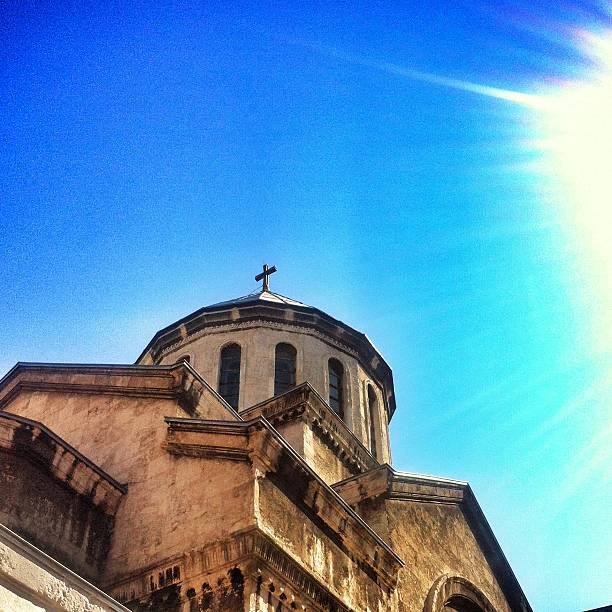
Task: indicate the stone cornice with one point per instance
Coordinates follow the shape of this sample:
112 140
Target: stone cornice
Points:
254 324
178 381
270 454
304 402
197 438
273 313
41 446
386 482
248 545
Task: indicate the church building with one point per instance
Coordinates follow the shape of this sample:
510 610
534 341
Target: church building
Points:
241 464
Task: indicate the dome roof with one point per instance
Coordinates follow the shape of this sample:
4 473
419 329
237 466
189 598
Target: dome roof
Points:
257 297
274 308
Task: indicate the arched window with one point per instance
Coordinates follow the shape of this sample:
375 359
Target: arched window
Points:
284 368
229 374
185 358
372 409
461 604
456 594
336 381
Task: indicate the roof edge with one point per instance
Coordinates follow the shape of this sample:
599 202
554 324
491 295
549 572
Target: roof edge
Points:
171 381
9 416
455 492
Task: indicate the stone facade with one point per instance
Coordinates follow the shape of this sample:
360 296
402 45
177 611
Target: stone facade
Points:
144 480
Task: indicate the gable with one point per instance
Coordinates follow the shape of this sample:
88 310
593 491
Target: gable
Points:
438 528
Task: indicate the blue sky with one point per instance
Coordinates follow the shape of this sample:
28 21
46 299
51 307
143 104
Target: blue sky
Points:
434 174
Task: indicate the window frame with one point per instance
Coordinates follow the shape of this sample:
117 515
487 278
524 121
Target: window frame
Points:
224 386
336 367
372 400
290 357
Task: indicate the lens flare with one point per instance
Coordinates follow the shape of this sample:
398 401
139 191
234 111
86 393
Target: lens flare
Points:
576 120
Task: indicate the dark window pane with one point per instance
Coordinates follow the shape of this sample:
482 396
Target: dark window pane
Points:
229 375
335 386
284 368
372 405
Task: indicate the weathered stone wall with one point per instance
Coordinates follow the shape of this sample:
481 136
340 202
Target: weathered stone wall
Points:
190 502
117 432
258 344
173 503
322 458
309 543
50 515
433 539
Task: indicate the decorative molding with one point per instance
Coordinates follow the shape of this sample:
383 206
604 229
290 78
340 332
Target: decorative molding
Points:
303 402
253 324
384 480
32 439
207 452
448 586
251 545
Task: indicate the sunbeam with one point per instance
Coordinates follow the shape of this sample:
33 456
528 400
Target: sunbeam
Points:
517 97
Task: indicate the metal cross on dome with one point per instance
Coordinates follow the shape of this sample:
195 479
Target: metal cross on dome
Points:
264 275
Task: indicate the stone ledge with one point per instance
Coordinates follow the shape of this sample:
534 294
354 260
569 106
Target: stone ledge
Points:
39 444
304 402
384 480
179 382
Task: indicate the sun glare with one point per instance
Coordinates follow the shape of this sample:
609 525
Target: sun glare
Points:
576 120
